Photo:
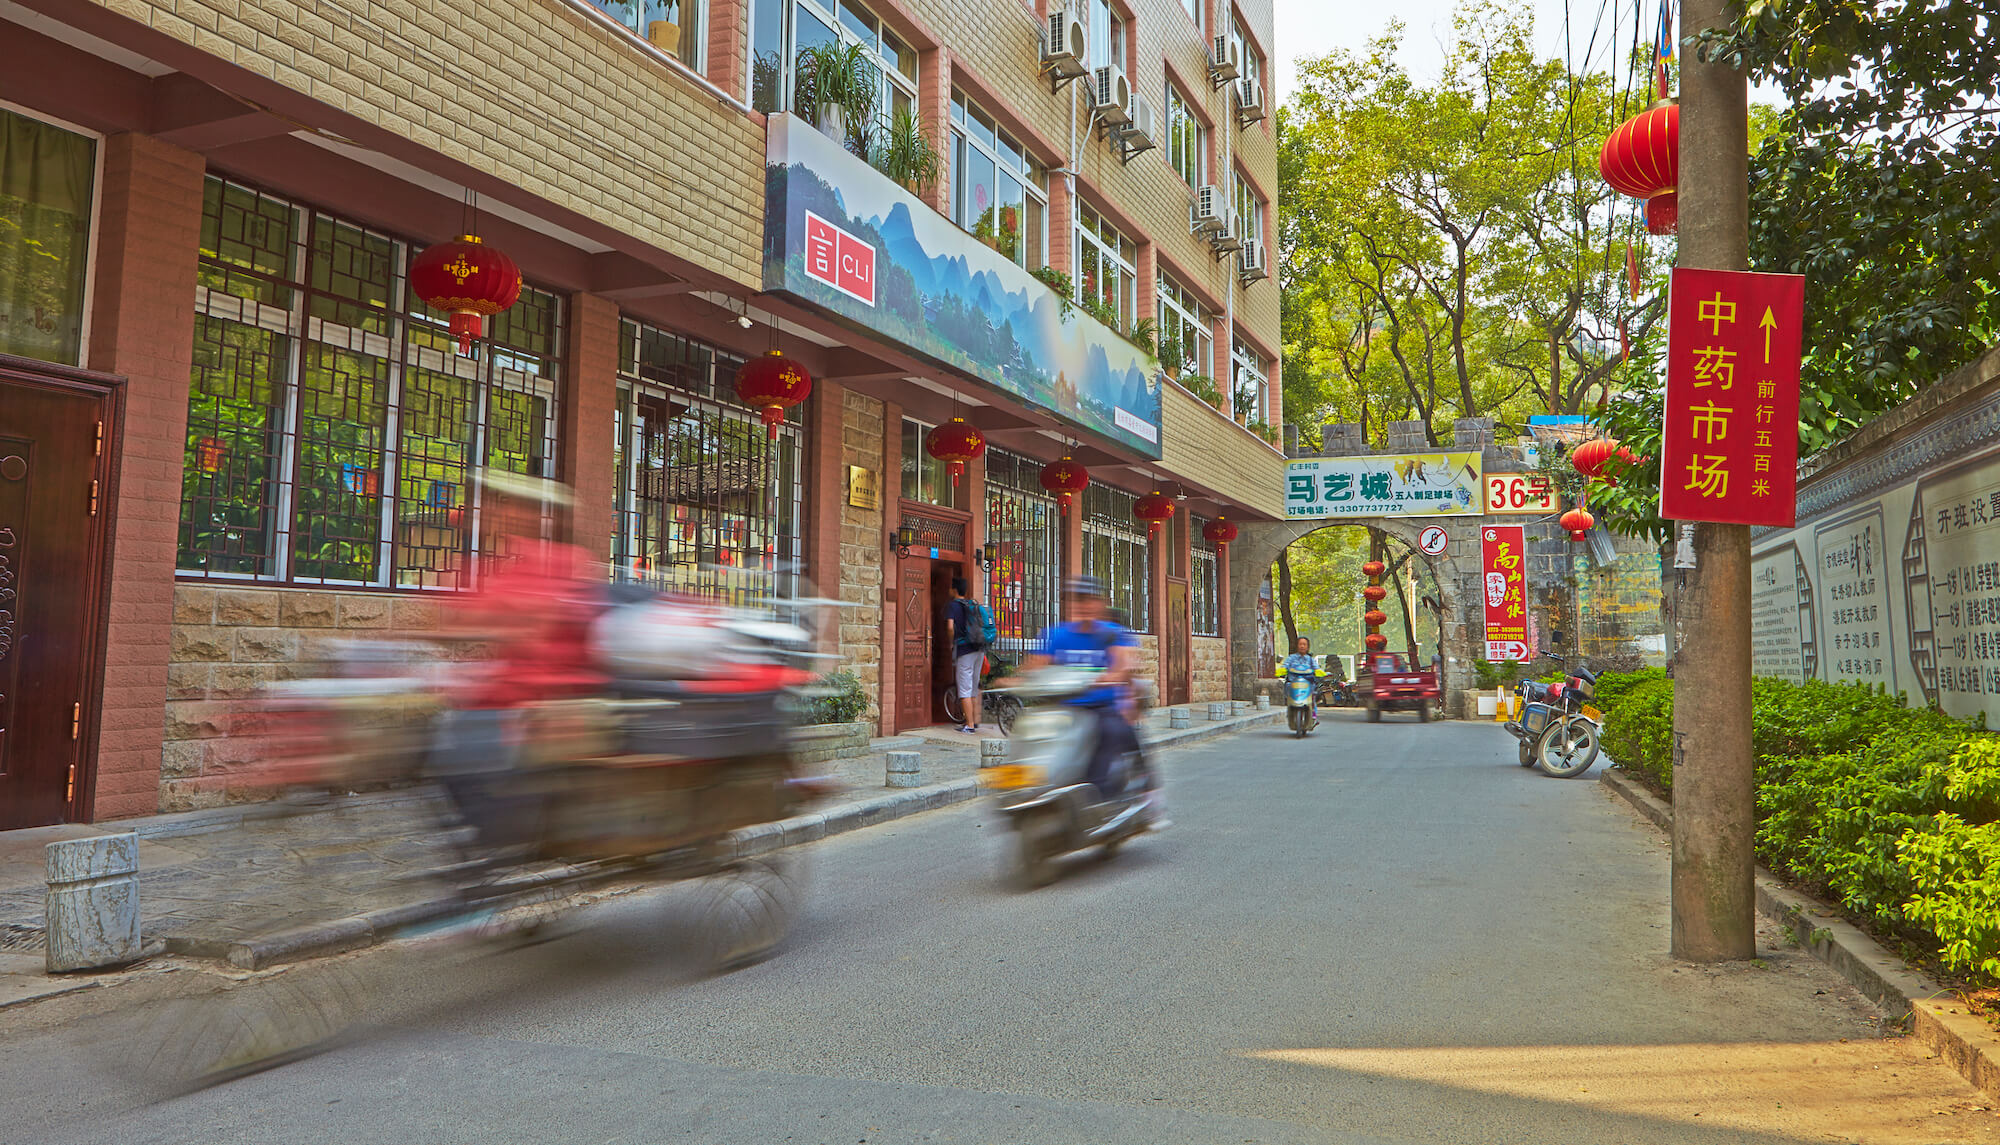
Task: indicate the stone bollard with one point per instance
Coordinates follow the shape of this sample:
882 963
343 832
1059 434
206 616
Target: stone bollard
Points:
1178 718
905 769
1218 710
1263 703
92 911
992 752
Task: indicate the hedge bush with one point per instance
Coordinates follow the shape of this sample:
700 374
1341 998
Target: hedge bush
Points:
836 699
1893 810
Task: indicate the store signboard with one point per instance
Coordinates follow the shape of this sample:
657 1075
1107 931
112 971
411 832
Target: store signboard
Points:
841 236
1393 485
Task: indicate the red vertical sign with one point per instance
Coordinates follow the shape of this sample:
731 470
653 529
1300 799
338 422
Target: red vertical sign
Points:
1731 447
1503 588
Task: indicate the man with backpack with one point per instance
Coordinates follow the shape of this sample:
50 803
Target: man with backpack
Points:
971 631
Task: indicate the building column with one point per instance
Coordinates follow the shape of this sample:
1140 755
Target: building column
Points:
1274 392
1222 365
142 327
885 541
729 46
934 110
589 423
1072 553
1148 287
1062 226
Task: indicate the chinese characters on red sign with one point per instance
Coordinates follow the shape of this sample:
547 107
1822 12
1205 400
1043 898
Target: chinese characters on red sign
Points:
839 259
1504 589
1731 446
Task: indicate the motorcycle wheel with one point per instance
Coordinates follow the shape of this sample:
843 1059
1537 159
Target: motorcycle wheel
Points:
1527 754
1567 749
1374 713
1035 850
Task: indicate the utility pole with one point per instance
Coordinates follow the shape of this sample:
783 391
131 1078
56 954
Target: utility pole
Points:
1715 805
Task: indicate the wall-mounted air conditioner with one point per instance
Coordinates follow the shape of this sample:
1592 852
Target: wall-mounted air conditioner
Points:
1249 102
1210 210
1111 96
1223 64
1063 47
1142 134
1250 262
1224 241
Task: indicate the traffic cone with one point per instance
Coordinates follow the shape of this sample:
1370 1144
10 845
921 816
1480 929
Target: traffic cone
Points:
1500 706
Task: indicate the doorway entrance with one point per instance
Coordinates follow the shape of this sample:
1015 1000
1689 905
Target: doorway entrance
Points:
1179 643
54 485
923 660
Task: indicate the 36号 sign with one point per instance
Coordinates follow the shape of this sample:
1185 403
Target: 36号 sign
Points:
1433 540
1520 493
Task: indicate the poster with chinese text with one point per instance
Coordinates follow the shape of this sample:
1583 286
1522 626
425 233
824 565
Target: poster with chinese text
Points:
1395 485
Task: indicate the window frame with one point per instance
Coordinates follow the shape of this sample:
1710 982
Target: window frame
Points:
1245 358
89 290
832 14
1032 251
637 22
1185 132
1090 229
1204 582
1250 61
1012 481
1185 309
1107 518
931 473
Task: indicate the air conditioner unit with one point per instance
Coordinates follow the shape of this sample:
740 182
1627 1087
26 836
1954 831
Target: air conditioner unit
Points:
1250 261
1224 241
1062 45
1209 210
1143 133
1223 64
1249 102
1111 96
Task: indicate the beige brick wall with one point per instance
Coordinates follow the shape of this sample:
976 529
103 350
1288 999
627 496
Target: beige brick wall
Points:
229 642
861 549
1214 451
1211 670
539 93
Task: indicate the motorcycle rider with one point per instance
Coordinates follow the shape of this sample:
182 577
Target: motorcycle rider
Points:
1091 640
1303 662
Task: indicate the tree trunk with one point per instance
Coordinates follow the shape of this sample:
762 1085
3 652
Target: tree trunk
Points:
1285 603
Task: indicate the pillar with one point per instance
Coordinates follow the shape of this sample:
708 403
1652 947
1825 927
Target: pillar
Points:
590 423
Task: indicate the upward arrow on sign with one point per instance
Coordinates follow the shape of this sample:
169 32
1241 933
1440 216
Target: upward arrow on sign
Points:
1769 323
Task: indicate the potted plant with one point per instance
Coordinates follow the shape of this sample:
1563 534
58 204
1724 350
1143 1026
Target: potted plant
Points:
906 154
1064 287
1171 358
838 83
1146 336
1203 387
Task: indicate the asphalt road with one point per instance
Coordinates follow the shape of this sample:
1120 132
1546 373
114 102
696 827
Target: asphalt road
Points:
1382 933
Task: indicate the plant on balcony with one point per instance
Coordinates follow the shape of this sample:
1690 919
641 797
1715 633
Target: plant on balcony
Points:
1102 311
838 82
1265 430
1171 356
905 154
1059 282
1203 387
1146 336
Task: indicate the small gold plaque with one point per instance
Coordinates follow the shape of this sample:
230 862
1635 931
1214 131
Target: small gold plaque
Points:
862 490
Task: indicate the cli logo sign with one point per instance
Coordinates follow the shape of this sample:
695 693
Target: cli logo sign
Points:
839 259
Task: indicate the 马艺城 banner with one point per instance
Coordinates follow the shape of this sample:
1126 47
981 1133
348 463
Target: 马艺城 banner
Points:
1398 485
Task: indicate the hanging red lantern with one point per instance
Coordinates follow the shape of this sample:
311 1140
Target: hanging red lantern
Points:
1375 618
1591 457
1578 522
1154 509
1066 479
1642 159
1219 532
467 279
1372 569
771 384
955 443
1376 641
1374 592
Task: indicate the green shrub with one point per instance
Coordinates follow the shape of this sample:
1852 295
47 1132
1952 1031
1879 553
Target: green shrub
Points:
1954 868
1615 686
1639 731
837 699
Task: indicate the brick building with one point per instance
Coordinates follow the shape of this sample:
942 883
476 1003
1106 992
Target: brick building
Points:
229 431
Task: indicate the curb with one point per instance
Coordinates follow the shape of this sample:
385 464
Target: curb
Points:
1936 1016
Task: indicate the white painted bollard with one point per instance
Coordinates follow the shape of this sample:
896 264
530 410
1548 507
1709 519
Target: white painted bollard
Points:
1218 710
905 769
1178 718
1263 703
992 752
92 912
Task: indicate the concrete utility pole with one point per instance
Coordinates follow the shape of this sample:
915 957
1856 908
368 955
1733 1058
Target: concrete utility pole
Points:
1715 801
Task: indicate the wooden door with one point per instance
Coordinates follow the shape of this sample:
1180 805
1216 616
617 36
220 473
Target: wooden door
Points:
1179 642
50 575
914 693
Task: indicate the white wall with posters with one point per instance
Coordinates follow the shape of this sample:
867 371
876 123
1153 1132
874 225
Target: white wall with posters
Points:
1892 575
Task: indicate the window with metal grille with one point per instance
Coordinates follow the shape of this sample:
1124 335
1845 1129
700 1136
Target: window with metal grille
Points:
1205 583
333 428
925 478
1022 587
707 504
1116 552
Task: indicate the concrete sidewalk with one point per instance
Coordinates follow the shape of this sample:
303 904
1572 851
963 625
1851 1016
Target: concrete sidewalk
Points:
256 884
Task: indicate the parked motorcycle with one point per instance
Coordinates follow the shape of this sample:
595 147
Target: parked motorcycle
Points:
1558 729
1299 692
1332 693
1043 791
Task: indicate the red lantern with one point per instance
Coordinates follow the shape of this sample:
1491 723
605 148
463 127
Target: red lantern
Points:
1066 479
1219 532
1642 159
1376 641
1578 521
772 384
467 279
1591 457
1375 618
1154 509
1372 569
1374 592
955 443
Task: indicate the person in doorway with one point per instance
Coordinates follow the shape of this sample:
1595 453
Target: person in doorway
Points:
968 649
1091 640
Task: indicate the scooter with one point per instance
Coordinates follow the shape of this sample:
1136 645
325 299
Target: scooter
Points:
1042 789
1299 713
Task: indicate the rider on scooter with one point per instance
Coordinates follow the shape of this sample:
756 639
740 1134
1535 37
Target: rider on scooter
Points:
1091 640
1302 662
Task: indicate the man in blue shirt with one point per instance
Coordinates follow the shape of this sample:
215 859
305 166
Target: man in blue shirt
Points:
968 650
1090 640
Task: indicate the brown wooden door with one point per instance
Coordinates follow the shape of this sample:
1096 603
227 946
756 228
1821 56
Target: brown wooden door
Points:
49 576
914 693
1179 646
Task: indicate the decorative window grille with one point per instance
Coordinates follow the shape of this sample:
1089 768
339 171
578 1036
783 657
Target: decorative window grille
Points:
707 504
1118 553
333 429
1205 585
1023 586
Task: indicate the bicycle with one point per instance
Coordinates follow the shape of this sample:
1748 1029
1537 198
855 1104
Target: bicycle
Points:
1000 707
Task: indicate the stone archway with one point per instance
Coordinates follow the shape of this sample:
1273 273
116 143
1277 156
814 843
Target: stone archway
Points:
1258 544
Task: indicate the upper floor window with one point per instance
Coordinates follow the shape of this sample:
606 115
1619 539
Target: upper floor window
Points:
1106 43
45 192
1252 388
1193 8
673 26
1186 321
998 192
1249 211
1250 66
1107 273
1187 144
783 30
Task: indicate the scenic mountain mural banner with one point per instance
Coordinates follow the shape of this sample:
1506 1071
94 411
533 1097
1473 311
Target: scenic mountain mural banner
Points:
840 235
